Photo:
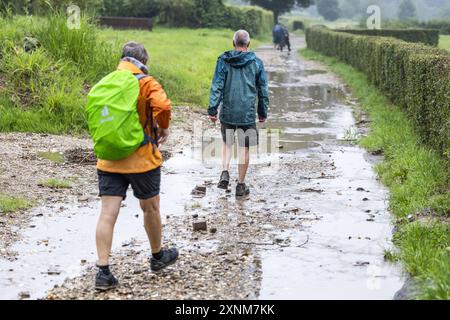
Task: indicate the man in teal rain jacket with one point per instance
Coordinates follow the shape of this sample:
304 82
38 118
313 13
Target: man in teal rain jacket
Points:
240 90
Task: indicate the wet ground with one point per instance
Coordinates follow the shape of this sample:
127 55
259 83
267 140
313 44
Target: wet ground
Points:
316 224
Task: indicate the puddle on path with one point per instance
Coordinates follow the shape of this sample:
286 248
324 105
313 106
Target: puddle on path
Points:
61 244
336 254
343 258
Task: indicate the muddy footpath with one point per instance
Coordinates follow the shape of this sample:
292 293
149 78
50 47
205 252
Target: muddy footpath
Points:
315 226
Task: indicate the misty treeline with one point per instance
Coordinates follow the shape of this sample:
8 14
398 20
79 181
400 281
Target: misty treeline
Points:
390 9
398 9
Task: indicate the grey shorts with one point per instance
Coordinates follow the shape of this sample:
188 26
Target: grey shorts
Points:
248 136
145 185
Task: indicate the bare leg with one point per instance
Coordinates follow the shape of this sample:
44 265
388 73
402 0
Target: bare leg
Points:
105 228
227 152
244 161
152 222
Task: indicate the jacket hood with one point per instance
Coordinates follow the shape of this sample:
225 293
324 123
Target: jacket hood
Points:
238 59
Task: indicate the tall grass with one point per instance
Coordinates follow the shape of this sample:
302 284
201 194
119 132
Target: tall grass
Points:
94 59
45 91
40 95
13 29
424 251
418 179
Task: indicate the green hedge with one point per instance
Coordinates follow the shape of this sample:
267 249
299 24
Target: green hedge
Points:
414 76
298 25
179 13
214 14
426 36
442 25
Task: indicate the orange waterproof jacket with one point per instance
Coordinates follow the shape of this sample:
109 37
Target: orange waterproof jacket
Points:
147 157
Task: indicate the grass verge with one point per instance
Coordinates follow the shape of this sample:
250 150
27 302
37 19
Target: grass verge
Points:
418 181
9 204
444 42
56 184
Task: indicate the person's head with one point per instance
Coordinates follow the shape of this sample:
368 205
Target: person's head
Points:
135 50
241 40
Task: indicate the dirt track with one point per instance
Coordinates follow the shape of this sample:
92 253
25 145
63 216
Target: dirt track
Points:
315 225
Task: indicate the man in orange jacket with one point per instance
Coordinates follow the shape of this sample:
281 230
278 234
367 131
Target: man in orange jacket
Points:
142 170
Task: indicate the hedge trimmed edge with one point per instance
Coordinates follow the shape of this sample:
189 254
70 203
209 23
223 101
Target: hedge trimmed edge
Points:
414 76
426 36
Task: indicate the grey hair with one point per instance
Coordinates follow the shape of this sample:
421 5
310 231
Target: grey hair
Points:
135 50
241 38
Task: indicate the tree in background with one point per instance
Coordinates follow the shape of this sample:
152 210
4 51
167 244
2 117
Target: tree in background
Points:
407 10
445 13
350 8
179 13
279 7
329 9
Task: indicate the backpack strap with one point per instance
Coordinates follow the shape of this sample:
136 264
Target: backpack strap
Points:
153 129
141 76
150 121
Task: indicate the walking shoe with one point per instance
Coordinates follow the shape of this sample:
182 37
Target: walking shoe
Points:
242 190
105 280
169 257
224 180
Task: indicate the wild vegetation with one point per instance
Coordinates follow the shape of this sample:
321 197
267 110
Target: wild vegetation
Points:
44 90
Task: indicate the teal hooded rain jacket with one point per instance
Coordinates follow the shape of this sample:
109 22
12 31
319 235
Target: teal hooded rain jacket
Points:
239 88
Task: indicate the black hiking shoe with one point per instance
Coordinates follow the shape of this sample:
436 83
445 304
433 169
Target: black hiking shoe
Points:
224 180
105 281
169 257
242 190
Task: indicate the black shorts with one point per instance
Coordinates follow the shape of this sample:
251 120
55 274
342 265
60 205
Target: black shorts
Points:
145 185
248 136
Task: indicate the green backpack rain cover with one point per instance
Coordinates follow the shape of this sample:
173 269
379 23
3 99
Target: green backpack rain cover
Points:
112 116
